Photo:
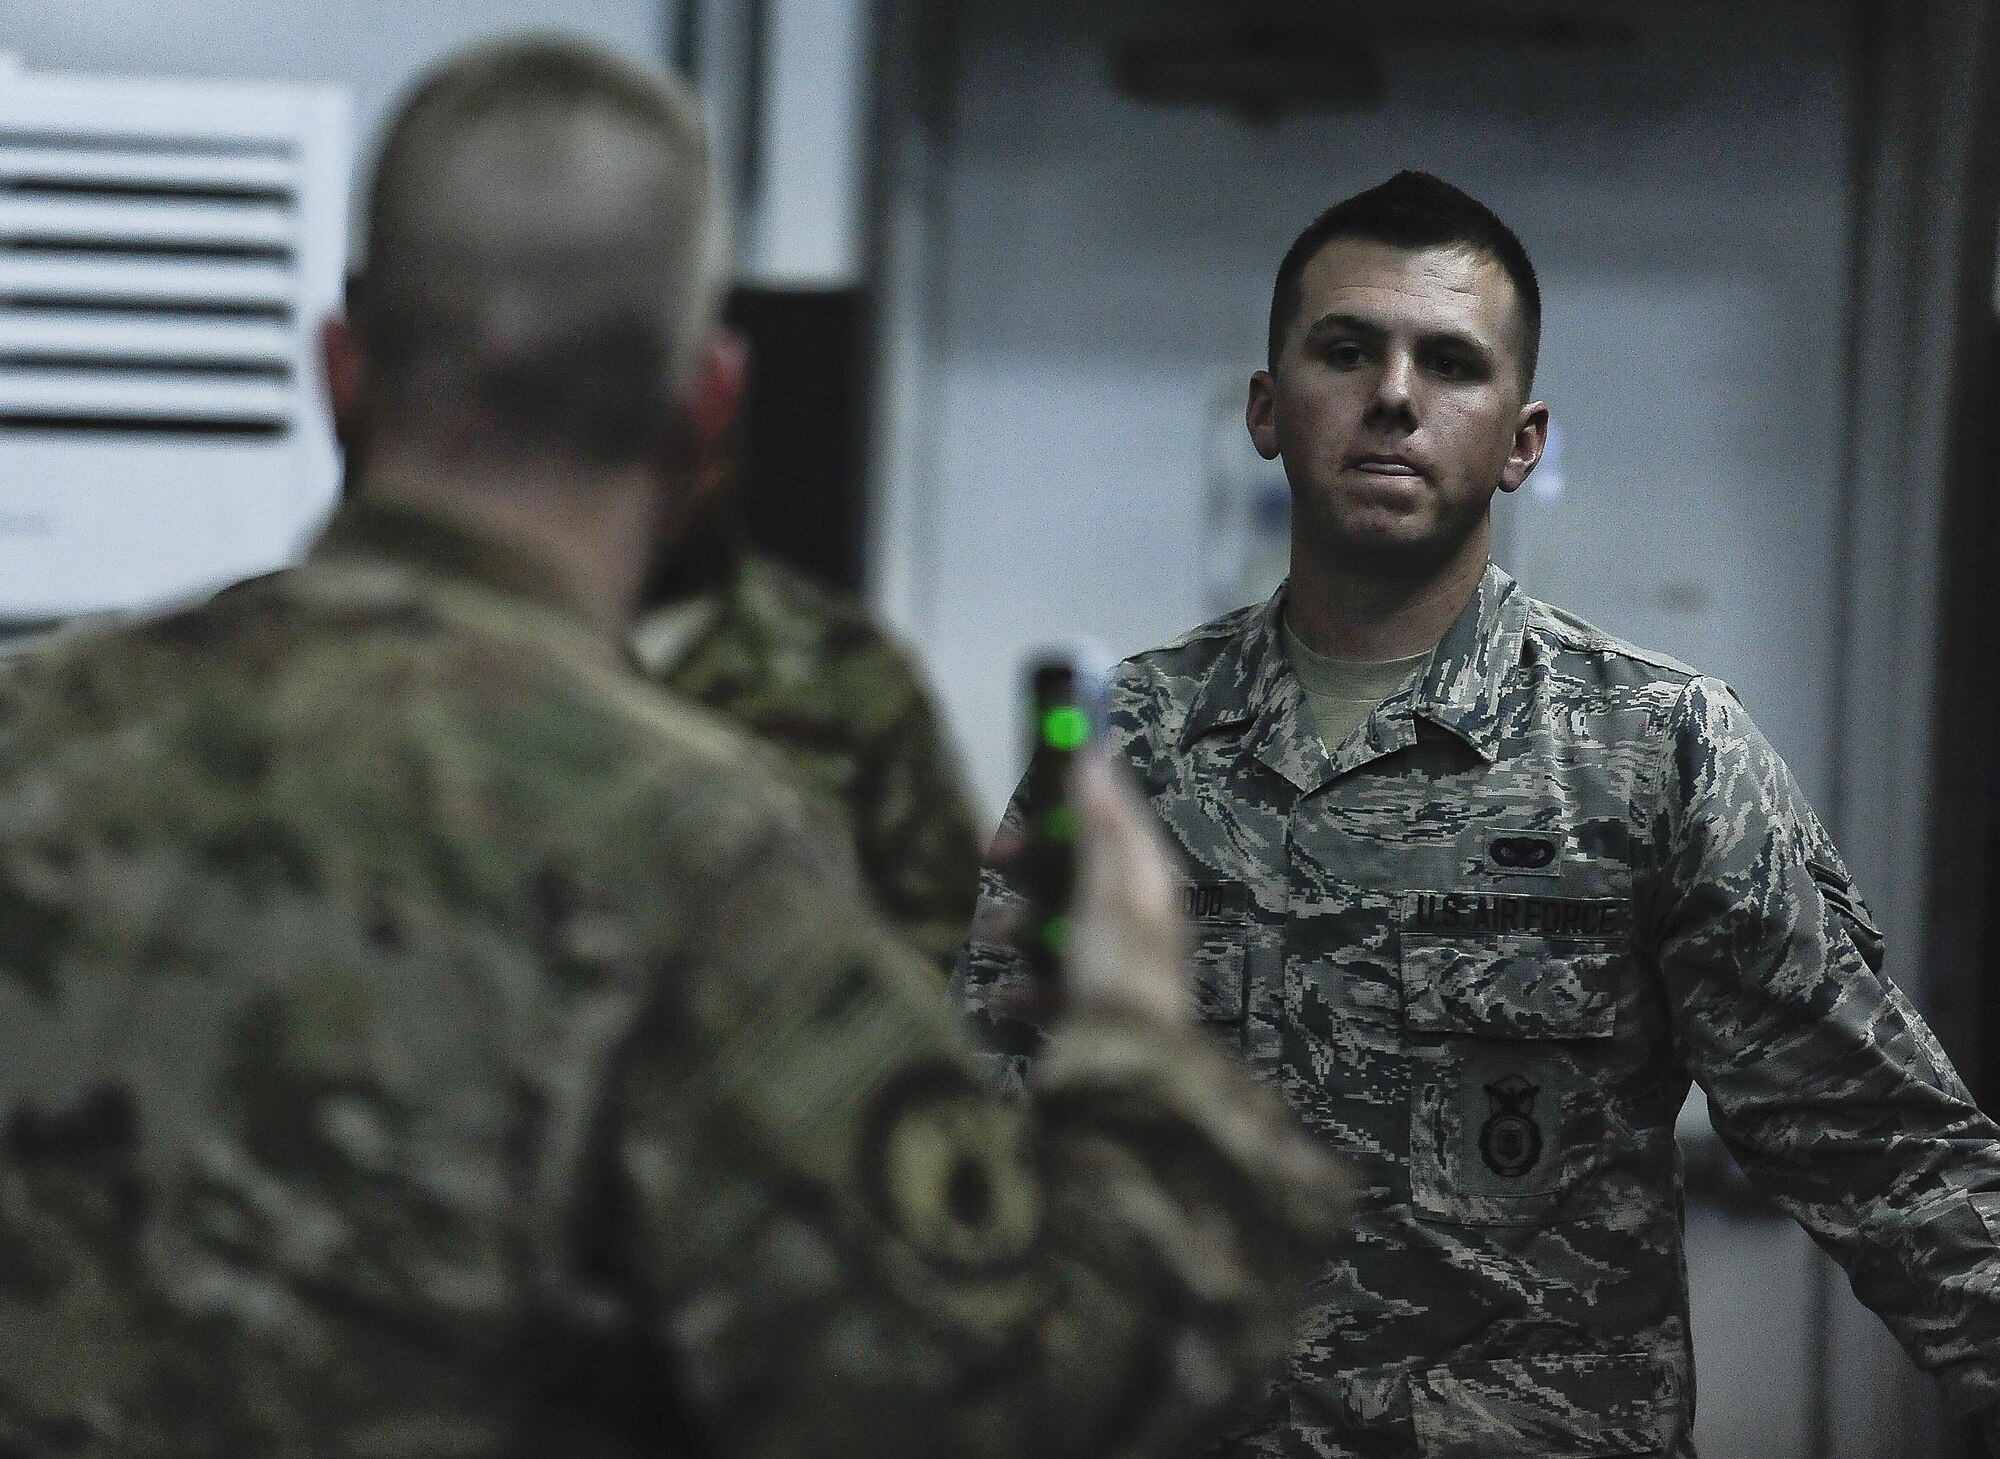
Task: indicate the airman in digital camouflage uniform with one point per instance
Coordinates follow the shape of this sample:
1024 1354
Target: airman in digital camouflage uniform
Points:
806 670
1484 921
420 1037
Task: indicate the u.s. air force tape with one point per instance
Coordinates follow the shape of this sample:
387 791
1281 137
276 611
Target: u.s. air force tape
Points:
948 1168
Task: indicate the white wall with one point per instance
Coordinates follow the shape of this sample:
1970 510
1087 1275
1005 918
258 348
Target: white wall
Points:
375 47
230 519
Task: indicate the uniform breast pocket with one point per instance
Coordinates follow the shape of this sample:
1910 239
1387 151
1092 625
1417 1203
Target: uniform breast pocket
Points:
1503 1033
1219 913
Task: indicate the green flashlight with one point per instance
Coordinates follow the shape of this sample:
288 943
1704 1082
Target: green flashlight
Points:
1062 697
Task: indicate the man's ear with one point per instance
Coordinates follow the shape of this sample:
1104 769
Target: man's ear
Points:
715 398
1260 414
343 368
1531 438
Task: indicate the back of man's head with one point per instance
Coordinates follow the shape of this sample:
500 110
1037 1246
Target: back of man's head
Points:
1414 210
543 254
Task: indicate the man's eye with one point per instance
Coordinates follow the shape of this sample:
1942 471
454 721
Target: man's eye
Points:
1345 354
1451 367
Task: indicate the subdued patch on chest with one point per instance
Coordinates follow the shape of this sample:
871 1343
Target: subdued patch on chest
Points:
1500 1133
1496 913
1519 853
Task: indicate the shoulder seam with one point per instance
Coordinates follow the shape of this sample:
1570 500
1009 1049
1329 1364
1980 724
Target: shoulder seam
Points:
1227 626
1586 638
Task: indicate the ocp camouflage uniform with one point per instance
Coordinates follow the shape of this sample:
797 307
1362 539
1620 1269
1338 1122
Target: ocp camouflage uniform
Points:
420 1037
805 670
1482 945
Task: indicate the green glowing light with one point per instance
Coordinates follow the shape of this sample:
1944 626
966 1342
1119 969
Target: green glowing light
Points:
1065 727
1055 934
1059 823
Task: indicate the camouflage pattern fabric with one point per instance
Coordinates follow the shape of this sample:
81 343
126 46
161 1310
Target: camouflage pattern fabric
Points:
1482 945
420 1037
804 669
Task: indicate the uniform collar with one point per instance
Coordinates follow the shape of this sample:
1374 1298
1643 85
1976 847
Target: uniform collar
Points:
439 549
665 638
1252 683
1461 689
389 552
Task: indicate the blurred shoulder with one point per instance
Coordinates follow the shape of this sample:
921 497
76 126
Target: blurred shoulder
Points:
364 707
821 636
775 593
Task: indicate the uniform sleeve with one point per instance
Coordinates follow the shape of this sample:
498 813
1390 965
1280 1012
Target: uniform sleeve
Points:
915 833
992 984
851 1245
1821 1077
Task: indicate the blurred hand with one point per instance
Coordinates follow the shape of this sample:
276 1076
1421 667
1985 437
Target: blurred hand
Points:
1128 949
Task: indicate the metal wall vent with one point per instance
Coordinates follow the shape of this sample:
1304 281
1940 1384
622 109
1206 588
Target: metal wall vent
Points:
147 284
167 250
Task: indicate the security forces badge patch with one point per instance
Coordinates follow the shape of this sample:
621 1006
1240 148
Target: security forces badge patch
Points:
1510 1142
1490 1135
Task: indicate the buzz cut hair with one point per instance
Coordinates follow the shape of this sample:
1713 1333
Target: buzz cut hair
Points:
579 347
1414 210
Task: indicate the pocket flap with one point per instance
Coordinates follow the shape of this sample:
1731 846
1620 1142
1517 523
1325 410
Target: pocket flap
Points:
1578 1407
1220 987
1508 988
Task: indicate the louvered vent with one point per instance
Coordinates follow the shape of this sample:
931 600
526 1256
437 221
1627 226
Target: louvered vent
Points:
166 250
147 284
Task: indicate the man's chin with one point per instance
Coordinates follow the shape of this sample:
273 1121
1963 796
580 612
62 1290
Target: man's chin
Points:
1403 551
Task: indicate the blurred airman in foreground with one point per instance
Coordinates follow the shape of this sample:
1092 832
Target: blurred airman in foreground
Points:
420 1037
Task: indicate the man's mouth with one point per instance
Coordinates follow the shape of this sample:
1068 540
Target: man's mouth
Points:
1384 465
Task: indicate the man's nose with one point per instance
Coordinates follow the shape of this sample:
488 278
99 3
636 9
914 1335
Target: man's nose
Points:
1394 400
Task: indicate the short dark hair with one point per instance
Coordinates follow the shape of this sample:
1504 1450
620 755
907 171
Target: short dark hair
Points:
1414 210
578 347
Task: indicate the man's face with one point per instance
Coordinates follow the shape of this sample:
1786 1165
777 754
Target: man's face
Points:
1397 405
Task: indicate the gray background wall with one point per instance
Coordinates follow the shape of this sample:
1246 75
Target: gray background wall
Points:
1105 269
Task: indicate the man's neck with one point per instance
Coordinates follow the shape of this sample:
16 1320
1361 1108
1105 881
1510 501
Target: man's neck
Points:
1370 618
592 537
